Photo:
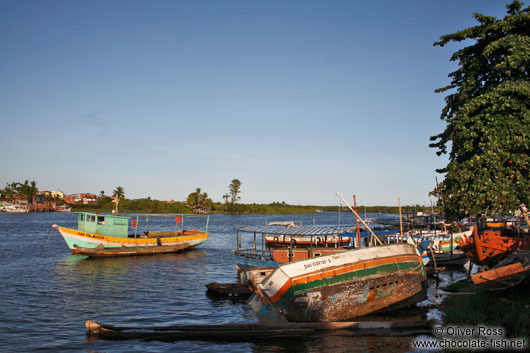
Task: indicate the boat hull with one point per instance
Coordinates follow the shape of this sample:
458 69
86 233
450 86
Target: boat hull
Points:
248 260
514 270
458 258
491 246
343 286
130 251
357 298
75 239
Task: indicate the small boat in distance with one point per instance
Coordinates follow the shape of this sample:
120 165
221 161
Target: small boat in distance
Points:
16 208
108 235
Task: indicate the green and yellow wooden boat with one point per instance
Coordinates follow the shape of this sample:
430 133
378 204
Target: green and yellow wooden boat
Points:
119 236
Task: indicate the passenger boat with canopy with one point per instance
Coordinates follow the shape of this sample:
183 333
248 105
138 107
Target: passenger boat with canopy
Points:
302 240
253 250
111 235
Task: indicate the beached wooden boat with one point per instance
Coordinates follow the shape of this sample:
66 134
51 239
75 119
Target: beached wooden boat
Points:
101 251
342 286
492 244
96 231
512 271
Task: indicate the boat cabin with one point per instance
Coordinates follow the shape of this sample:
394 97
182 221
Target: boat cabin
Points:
114 226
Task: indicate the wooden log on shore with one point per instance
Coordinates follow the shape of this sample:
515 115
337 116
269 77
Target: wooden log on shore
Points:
258 331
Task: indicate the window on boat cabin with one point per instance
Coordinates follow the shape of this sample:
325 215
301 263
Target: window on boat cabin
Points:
90 218
101 219
317 254
81 217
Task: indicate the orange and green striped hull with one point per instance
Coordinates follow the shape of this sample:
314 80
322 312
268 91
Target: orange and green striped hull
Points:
345 285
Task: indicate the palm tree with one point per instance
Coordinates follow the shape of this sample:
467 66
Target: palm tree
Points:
118 193
102 193
235 189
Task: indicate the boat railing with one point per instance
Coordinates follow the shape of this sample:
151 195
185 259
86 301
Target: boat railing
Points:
179 218
255 253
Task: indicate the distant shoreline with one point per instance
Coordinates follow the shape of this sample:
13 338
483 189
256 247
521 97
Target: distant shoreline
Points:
274 208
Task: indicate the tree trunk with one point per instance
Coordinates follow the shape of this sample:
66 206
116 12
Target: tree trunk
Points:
524 212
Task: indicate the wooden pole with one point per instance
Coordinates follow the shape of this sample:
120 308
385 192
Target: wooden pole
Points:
357 220
469 270
434 261
362 221
400 221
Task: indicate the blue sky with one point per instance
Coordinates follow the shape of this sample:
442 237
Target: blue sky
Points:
297 99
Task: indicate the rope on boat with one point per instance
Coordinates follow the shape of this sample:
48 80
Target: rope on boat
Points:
49 236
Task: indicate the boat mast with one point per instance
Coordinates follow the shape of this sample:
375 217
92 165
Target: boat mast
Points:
357 220
400 220
362 221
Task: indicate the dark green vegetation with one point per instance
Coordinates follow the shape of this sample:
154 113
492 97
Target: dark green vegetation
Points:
508 309
199 199
488 117
148 205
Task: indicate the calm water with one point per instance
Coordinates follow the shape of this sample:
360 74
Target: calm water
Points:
48 294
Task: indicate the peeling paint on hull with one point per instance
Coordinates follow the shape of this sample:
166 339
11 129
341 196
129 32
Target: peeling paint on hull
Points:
348 300
343 286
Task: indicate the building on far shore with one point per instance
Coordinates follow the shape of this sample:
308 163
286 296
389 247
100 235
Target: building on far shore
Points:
85 199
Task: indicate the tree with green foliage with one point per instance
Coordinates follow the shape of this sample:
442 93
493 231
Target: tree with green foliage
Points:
235 189
118 193
193 198
487 117
198 198
9 190
18 190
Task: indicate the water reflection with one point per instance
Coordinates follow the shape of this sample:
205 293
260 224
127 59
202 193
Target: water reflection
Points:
339 341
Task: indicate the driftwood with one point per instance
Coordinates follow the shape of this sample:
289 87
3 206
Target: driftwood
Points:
258 331
438 294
